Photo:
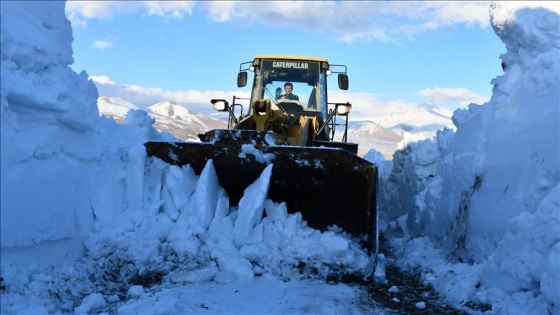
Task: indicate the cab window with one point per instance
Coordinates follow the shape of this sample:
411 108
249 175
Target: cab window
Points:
303 75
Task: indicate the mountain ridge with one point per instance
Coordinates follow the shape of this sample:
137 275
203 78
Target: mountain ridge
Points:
383 135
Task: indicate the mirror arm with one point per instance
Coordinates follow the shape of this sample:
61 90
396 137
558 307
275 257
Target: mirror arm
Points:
332 114
231 113
329 118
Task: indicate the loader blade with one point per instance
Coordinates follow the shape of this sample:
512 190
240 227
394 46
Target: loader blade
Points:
328 186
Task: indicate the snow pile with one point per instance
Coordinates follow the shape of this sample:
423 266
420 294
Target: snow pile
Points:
237 241
485 200
48 129
88 222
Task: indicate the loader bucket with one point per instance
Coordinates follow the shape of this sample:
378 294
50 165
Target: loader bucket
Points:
329 186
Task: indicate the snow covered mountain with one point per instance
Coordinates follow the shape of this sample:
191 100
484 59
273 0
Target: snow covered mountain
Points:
115 107
169 116
383 135
185 124
386 133
182 122
370 129
370 135
426 121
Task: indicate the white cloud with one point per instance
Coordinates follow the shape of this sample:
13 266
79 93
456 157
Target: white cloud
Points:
352 20
452 97
102 44
78 12
438 14
342 20
365 106
347 21
102 79
144 97
169 9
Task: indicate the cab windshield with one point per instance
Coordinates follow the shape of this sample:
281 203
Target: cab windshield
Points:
302 76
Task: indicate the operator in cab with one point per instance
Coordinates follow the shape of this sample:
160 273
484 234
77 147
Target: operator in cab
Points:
288 88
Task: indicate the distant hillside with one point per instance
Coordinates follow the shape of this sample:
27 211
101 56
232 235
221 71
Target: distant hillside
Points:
369 129
383 135
425 121
182 122
369 135
114 107
174 118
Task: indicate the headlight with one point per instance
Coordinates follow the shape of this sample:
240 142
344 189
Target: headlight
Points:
343 108
219 104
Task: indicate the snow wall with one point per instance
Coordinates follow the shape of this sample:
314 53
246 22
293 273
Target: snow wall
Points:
62 165
489 195
49 116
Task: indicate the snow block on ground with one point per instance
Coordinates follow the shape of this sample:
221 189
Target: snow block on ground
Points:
251 207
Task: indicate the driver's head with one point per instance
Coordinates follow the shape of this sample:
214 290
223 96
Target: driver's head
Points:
288 87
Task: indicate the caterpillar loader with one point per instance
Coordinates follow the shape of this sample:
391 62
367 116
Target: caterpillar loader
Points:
315 175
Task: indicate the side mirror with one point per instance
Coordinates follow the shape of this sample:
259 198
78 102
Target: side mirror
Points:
343 81
219 104
343 108
241 79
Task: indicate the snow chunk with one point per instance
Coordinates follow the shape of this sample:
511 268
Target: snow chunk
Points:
205 199
251 207
379 273
421 305
259 156
375 157
135 291
90 303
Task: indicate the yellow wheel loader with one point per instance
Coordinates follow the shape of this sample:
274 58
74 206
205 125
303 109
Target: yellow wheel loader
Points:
289 123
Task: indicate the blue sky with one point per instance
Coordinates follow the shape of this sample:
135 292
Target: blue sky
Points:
405 53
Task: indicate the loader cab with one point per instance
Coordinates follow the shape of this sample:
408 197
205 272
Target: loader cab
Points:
308 75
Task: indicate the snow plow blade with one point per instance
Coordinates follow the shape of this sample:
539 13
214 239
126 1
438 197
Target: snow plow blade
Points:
328 186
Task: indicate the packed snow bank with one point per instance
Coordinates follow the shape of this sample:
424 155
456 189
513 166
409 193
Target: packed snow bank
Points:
48 130
63 168
486 197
